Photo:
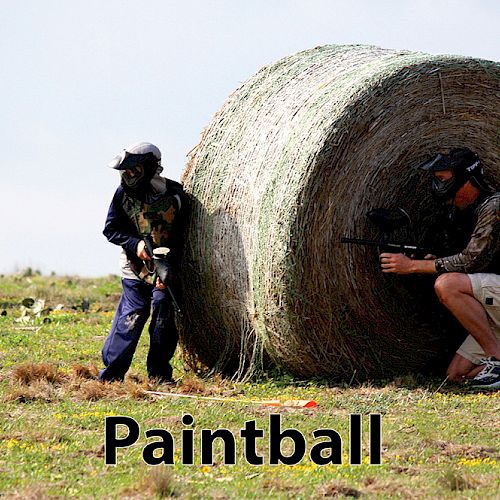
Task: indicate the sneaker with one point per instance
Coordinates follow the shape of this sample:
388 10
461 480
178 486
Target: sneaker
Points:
489 376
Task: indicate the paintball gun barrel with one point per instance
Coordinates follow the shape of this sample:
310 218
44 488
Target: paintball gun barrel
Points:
387 221
390 246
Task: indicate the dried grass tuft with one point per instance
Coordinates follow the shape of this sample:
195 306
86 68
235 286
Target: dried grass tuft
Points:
85 372
162 482
137 378
455 481
295 159
192 385
94 390
45 381
28 373
135 390
38 390
156 482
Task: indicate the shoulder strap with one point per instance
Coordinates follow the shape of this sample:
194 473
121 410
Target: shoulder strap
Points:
174 186
176 190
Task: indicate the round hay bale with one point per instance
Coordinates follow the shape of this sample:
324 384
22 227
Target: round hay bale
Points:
295 159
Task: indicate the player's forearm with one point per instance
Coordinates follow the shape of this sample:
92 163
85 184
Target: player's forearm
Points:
424 266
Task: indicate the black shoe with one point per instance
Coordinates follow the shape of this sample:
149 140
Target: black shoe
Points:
489 377
104 376
162 380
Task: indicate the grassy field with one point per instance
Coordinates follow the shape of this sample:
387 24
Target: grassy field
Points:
437 442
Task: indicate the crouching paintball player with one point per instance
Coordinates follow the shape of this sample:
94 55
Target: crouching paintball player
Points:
469 282
148 211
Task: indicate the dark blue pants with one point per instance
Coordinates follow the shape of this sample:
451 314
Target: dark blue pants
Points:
128 323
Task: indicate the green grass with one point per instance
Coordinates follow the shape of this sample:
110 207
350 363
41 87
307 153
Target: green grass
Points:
436 444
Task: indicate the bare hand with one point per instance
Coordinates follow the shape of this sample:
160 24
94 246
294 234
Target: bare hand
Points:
429 256
142 253
396 263
159 284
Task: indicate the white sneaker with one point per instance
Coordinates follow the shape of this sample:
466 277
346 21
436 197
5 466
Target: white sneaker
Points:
489 377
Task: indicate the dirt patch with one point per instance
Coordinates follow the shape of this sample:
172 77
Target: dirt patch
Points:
470 451
169 422
278 484
409 471
374 486
335 489
32 493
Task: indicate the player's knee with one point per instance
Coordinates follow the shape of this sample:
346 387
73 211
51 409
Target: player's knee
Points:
447 285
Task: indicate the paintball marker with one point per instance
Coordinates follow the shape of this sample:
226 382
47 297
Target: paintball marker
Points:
162 268
387 221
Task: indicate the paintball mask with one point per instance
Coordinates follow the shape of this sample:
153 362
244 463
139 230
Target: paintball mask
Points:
137 170
137 164
463 164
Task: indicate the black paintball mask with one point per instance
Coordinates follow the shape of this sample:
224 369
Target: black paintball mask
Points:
136 171
463 164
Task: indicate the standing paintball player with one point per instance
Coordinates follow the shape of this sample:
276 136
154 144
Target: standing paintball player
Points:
145 208
469 281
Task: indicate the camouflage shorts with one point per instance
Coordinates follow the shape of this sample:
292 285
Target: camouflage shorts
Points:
486 289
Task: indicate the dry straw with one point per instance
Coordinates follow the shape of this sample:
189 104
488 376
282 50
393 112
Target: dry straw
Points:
294 160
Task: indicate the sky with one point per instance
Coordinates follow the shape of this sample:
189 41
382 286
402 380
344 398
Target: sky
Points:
83 79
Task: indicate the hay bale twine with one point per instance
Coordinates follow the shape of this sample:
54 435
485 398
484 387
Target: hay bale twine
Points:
294 160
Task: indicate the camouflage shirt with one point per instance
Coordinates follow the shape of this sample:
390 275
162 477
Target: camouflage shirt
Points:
128 222
483 249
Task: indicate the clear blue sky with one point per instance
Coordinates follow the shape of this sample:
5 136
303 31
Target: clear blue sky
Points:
83 79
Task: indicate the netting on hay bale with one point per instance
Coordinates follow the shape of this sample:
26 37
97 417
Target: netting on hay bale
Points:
294 160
